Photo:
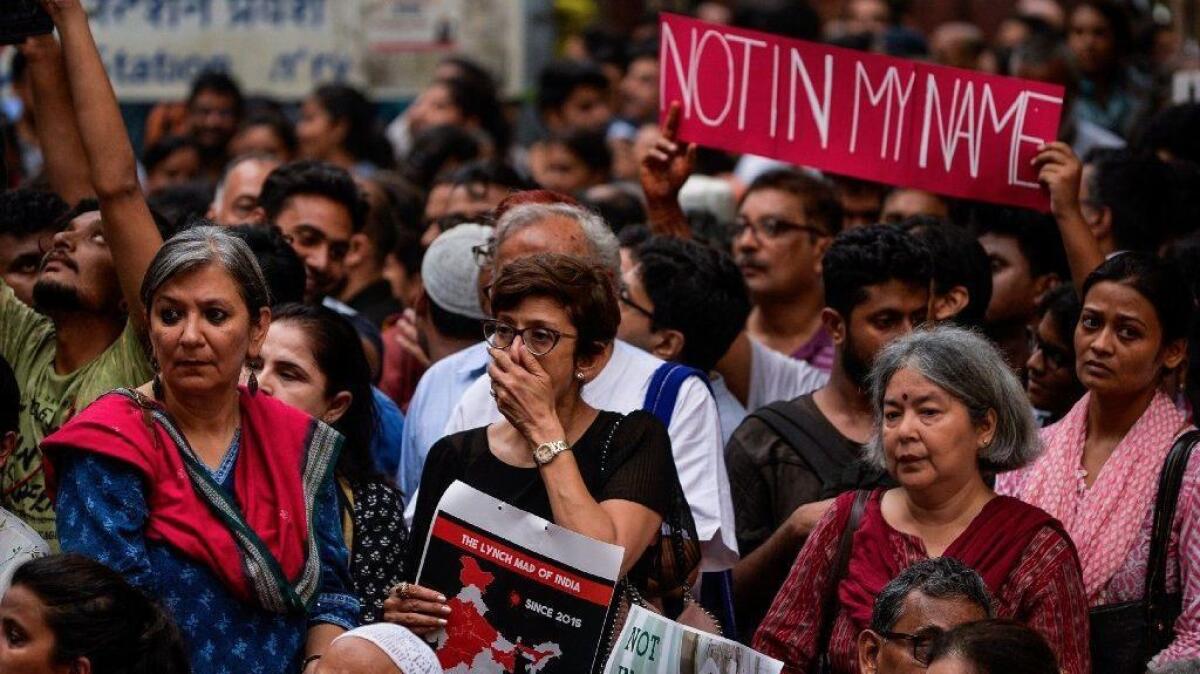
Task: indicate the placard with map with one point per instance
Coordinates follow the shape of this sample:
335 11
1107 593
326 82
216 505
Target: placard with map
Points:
525 595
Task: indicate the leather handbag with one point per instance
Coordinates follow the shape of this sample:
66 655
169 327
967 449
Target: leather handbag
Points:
829 598
1127 635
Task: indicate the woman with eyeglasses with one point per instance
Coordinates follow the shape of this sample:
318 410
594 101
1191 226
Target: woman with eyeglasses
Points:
602 474
1104 469
1052 384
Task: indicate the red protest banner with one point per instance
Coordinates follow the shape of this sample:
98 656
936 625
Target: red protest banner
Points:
901 122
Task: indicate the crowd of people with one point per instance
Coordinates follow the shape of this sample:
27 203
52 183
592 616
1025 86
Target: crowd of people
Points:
858 428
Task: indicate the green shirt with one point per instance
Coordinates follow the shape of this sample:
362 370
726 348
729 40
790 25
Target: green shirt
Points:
49 399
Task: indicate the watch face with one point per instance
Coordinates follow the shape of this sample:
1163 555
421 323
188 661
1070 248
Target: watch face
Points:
546 452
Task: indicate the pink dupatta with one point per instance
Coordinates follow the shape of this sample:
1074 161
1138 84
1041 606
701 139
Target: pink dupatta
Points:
1103 520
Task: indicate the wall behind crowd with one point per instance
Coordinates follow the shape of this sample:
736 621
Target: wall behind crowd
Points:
152 51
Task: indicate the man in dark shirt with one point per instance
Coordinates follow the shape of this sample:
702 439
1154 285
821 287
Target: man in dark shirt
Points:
788 460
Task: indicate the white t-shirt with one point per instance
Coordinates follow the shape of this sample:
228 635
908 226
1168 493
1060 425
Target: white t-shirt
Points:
695 433
776 376
731 411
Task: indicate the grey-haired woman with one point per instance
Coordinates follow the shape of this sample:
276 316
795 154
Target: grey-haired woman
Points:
216 499
948 413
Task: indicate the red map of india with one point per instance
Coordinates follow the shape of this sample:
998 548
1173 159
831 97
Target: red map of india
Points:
472 644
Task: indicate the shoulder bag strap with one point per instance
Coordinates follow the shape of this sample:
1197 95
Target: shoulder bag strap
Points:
793 431
1169 484
664 389
829 600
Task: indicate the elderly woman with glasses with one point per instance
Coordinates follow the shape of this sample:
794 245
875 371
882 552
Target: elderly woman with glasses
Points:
605 475
948 412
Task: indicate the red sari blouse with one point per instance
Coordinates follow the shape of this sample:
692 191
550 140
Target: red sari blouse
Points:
1027 562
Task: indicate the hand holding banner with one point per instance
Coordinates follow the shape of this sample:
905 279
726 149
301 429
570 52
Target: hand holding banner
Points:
901 122
522 591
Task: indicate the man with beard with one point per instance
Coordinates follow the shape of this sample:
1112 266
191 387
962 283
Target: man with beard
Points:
27 221
788 460
318 207
84 340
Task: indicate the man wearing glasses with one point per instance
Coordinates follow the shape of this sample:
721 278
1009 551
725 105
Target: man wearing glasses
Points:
914 609
685 302
469 194
785 222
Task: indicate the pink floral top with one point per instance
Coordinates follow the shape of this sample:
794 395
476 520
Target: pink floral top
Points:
1183 570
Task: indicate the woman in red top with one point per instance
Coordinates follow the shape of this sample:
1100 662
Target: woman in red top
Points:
948 412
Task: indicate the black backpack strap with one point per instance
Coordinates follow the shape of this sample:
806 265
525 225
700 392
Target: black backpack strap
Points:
804 441
841 563
1158 604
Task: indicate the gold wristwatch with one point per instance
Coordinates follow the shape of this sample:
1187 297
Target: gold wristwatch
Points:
545 452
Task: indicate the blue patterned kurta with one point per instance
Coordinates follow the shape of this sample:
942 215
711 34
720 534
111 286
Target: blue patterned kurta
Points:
102 513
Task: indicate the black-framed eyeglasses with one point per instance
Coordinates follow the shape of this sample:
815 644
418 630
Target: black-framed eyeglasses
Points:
627 299
484 253
539 340
773 228
1056 357
920 645
449 221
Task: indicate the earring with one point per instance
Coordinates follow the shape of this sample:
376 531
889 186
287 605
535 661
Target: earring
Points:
579 375
254 365
156 385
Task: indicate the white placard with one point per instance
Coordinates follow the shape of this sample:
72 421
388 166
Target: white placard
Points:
652 644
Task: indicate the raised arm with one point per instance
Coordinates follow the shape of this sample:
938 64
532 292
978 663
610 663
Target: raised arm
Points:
662 173
65 161
128 225
1061 171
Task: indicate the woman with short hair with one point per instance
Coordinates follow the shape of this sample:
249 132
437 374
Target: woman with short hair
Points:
1101 472
948 412
214 498
601 474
